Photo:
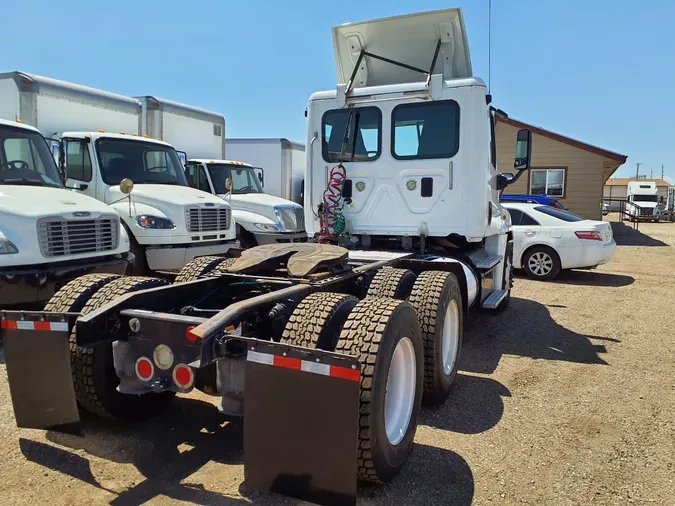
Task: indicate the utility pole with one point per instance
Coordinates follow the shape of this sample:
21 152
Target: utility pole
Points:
661 171
651 173
637 171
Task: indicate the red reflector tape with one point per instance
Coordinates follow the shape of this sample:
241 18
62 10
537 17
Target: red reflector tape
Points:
288 363
305 366
42 326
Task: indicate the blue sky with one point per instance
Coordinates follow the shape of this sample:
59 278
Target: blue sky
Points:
600 71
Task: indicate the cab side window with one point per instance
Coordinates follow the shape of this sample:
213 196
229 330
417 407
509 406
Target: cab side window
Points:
78 163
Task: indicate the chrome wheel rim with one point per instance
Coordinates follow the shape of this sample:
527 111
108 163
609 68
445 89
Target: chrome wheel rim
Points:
450 338
400 392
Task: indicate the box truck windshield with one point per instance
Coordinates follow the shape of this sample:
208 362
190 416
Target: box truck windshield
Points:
645 198
25 159
142 162
244 179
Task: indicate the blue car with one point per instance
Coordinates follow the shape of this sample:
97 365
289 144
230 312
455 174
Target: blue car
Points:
533 199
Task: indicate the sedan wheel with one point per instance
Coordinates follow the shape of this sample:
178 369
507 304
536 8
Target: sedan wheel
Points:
541 263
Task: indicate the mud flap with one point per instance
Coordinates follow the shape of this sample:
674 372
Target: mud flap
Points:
37 357
301 411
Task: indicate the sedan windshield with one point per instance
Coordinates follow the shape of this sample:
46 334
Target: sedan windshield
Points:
244 179
558 213
25 159
142 162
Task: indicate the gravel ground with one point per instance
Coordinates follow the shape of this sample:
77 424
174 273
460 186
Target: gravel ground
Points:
567 398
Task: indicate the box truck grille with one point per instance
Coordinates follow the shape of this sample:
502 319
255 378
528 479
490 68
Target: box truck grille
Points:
200 219
646 211
73 237
292 218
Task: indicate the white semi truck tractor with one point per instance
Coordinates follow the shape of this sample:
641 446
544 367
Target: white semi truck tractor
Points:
261 217
48 235
106 157
330 348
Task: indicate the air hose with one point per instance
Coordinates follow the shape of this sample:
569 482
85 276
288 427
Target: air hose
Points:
332 221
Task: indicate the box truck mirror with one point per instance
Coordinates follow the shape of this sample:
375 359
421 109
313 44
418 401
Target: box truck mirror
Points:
126 185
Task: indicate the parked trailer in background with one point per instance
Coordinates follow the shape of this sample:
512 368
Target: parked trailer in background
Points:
282 160
169 223
327 350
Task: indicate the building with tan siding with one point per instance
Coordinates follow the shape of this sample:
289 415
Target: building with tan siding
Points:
570 170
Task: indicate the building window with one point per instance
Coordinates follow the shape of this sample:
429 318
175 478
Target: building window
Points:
425 131
361 146
549 182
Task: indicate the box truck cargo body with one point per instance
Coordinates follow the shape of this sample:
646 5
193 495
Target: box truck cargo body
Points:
186 127
282 160
101 145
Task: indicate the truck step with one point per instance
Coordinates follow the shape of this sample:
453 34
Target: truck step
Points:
487 262
495 298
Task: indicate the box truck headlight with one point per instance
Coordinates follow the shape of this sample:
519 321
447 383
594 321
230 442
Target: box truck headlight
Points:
7 247
267 228
154 222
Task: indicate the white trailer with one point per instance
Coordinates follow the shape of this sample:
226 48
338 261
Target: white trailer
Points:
282 160
261 217
48 235
101 145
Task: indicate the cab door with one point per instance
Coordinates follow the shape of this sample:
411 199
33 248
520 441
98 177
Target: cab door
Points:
198 178
77 162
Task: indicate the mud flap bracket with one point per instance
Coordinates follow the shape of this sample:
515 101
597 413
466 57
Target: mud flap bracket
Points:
37 357
301 413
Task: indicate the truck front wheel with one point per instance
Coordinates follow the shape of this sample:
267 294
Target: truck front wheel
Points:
94 375
437 299
385 335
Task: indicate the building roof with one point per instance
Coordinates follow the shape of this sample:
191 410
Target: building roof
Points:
566 140
623 181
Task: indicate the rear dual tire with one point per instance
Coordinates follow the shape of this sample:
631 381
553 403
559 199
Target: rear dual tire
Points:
385 335
94 376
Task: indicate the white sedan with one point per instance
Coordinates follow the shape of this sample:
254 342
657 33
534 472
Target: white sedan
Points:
546 240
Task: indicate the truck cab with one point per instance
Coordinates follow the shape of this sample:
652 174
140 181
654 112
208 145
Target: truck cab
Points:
169 222
48 235
261 218
408 141
641 200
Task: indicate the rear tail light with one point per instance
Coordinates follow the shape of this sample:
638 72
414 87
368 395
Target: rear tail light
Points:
163 357
183 376
591 235
144 369
190 336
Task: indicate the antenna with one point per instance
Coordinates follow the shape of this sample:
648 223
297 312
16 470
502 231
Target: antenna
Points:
489 46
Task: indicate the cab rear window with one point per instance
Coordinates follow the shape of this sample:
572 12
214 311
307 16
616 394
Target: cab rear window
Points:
425 130
352 135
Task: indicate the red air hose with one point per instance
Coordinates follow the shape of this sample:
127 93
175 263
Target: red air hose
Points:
332 203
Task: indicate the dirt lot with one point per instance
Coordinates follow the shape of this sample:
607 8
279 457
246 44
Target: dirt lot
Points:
567 398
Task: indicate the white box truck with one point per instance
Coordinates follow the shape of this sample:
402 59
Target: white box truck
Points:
261 217
282 160
48 235
168 222
641 200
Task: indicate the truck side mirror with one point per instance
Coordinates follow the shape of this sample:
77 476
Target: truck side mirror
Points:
261 176
503 180
523 150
